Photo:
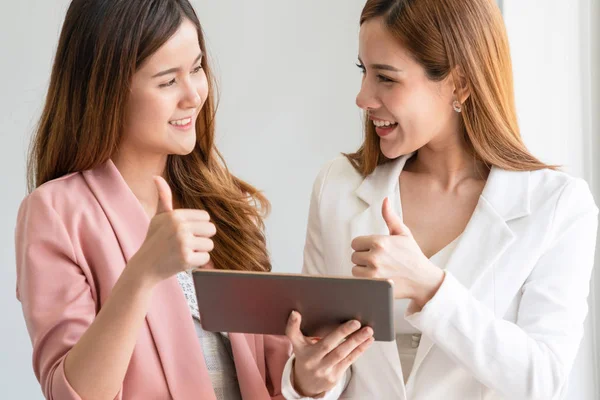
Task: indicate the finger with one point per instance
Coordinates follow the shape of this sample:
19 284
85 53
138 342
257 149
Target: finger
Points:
361 258
353 356
293 332
165 196
331 341
201 244
359 271
197 259
344 349
208 265
363 243
201 228
392 220
186 214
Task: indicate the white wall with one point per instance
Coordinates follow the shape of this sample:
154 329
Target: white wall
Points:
287 100
287 106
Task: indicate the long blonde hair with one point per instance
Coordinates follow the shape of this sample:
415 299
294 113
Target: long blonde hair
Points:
102 44
442 35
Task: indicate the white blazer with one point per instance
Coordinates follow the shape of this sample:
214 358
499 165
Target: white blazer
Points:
508 319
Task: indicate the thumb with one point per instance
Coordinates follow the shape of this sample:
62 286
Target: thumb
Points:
165 197
293 332
392 220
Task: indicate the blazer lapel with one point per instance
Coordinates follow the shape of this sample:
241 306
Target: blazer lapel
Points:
382 183
169 321
486 237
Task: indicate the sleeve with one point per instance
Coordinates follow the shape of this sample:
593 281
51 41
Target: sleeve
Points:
55 296
532 358
314 262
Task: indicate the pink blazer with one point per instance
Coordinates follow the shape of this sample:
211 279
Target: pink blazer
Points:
74 236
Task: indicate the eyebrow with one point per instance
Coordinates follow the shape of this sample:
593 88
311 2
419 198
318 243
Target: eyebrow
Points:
173 70
384 67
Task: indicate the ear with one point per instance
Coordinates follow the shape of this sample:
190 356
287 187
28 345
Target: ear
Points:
461 85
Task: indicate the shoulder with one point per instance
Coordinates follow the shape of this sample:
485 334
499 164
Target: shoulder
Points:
561 190
337 175
62 195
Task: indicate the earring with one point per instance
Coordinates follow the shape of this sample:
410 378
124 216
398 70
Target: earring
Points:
457 106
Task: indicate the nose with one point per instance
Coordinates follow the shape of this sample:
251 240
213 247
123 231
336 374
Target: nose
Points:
366 98
191 97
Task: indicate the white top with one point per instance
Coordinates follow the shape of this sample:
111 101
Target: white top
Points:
216 348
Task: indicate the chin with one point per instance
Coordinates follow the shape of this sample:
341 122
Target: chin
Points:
184 151
184 147
395 150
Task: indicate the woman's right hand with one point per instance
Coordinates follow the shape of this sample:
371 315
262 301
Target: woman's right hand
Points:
177 240
320 364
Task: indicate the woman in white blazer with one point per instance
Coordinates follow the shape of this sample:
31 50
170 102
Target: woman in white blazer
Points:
490 250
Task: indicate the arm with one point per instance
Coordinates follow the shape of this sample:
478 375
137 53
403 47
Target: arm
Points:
76 354
532 358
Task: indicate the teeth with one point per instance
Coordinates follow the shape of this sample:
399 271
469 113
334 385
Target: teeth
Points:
381 123
181 122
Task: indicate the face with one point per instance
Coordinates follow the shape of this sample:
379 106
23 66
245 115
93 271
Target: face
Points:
166 95
408 109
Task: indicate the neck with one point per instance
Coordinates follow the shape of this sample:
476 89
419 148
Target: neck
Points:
448 161
138 172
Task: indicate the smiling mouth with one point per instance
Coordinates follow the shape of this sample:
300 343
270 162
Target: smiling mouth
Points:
384 124
181 122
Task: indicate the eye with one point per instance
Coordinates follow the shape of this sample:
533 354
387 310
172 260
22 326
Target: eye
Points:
362 68
197 69
384 79
170 83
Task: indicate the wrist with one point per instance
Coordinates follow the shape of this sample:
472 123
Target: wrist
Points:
298 389
136 274
426 289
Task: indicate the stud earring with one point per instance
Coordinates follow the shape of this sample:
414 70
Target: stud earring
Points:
457 106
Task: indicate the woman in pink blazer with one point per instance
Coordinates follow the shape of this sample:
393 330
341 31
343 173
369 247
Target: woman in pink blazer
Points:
129 194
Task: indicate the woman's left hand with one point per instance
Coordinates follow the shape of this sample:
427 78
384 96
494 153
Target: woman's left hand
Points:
399 258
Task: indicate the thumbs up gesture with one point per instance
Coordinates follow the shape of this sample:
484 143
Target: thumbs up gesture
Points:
396 257
177 240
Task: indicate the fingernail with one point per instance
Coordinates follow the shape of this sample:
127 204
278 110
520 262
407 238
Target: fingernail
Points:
355 324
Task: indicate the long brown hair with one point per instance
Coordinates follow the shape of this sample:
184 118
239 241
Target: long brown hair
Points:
102 44
444 36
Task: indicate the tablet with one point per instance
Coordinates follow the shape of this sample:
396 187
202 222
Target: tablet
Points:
261 302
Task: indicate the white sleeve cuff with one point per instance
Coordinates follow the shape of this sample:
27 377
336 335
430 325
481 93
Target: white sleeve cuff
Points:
441 306
289 393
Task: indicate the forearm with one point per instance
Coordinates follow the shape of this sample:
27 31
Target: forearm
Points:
96 366
500 354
